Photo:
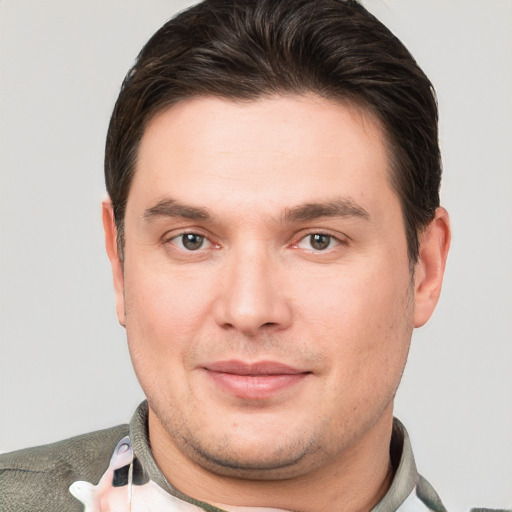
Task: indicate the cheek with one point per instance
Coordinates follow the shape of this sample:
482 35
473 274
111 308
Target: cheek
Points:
163 301
369 298
164 314
363 319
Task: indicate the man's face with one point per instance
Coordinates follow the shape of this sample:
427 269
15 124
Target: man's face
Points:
266 294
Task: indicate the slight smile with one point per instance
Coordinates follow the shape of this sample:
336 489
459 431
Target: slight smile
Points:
254 381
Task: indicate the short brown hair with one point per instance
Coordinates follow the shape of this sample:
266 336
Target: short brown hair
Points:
249 49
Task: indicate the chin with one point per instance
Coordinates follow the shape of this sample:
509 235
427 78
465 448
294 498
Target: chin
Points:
250 458
250 466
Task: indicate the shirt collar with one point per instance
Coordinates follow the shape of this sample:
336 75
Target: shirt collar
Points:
404 481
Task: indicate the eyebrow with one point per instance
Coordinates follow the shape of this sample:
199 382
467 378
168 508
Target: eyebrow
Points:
339 207
171 208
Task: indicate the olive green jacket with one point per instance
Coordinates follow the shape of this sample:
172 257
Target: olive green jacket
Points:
115 468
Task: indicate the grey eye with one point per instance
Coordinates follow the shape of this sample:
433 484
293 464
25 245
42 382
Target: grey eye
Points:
192 241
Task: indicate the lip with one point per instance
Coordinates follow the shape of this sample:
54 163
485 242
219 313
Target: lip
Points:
254 381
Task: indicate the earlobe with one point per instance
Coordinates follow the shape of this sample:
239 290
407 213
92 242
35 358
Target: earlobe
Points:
429 269
109 227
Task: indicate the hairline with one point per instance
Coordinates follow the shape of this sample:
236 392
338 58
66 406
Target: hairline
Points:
347 99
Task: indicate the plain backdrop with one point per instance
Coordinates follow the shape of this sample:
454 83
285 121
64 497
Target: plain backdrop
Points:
65 368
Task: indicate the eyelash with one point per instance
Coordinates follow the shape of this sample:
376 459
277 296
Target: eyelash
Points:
332 238
178 236
295 245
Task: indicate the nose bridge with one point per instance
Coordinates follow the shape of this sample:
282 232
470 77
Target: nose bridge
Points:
251 296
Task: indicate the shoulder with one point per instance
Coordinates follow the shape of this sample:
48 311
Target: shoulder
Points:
491 510
38 479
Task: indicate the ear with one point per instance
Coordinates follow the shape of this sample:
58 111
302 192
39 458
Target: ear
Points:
109 227
434 243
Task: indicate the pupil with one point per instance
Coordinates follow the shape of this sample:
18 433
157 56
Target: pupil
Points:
320 241
192 241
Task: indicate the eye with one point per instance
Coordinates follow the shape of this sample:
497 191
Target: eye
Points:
190 241
318 242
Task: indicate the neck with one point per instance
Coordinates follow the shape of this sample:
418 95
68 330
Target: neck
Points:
355 481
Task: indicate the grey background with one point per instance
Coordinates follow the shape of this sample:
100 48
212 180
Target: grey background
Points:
64 365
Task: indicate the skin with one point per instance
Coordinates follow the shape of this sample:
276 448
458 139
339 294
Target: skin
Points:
257 290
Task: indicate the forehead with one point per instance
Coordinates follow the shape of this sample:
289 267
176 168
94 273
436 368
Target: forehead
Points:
273 152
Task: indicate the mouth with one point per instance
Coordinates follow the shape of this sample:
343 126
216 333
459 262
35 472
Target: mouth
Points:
254 381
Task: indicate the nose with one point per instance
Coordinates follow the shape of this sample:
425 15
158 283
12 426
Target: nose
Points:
252 296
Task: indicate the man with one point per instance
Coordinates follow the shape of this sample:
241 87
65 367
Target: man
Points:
275 234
